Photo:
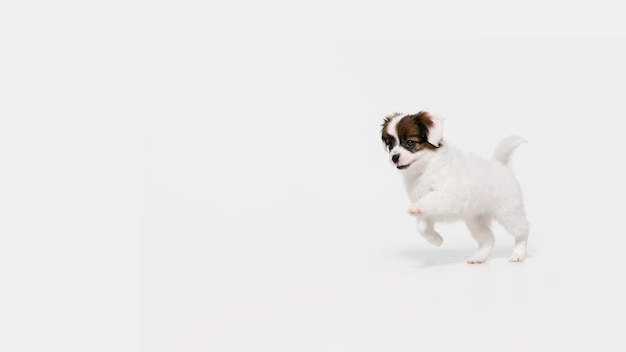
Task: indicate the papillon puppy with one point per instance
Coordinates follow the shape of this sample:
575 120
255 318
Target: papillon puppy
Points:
446 184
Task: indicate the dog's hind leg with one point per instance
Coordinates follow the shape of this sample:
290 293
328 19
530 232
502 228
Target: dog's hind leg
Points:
514 221
480 230
426 227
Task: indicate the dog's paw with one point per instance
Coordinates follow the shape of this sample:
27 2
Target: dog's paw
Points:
516 258
479 257
435 239
476 259
415 210
518 253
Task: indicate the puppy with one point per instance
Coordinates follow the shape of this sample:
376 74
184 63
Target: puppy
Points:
445 184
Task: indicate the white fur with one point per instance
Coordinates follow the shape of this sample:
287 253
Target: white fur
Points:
447 184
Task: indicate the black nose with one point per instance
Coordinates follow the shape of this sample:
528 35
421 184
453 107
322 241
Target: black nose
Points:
395 158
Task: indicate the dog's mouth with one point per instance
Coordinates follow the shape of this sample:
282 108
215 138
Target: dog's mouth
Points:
402 167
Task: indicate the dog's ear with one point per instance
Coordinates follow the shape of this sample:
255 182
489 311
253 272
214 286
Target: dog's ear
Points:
432 126
435 131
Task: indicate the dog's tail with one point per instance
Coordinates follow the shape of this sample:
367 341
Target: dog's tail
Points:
505 148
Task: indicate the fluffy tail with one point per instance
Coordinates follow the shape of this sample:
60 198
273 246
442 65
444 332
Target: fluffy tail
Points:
505 148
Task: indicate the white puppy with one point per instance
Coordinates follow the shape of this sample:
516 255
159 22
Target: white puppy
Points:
445 184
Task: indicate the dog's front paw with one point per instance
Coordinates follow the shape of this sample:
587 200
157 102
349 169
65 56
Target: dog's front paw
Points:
415 210
434 239
476 259
480 256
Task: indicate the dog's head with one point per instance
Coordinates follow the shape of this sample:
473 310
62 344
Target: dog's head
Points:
408 137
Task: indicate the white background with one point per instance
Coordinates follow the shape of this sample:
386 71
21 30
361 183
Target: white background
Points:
208 178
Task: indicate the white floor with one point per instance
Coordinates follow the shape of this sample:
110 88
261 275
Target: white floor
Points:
377 286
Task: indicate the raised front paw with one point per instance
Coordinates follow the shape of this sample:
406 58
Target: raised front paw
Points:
415 210
434 239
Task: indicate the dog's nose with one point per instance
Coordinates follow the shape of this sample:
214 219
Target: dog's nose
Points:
395 158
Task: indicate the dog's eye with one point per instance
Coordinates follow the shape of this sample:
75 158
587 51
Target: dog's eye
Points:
410 143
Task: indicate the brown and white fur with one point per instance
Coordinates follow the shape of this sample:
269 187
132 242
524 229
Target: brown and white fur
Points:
446 184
